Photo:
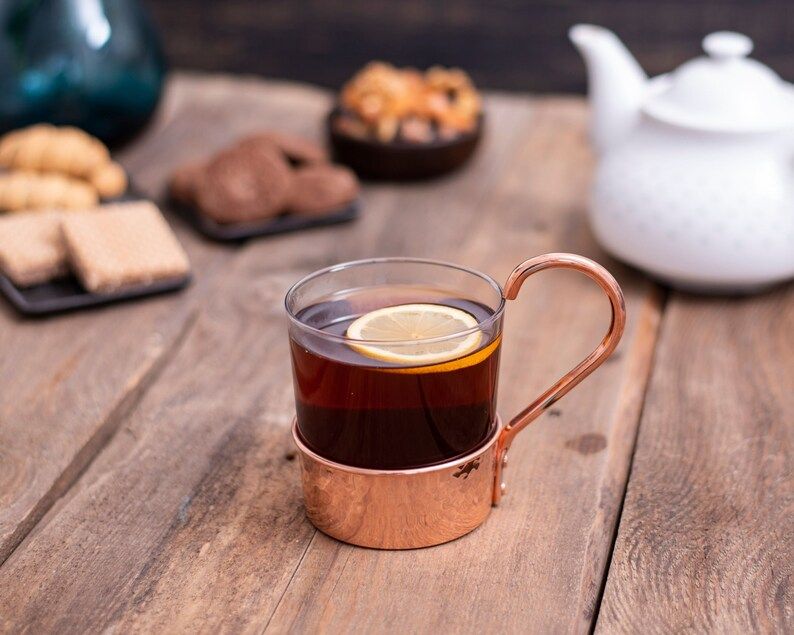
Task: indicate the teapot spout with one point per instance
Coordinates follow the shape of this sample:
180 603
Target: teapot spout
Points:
616 83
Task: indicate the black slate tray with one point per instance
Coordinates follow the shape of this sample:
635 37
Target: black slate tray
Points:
234 232
66 294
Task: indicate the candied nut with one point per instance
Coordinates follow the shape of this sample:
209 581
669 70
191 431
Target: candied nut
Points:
448 133
370 106
442 78
416 130
386 129
380 90
462 122
436 105
347 125
413 76
467 101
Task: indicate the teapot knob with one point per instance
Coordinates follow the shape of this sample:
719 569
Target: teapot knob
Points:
724 45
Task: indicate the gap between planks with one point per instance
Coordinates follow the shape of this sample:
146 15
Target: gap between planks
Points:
706 538
650 323
603 531
375 227
135 391
393 242
660 298
309 543
184 95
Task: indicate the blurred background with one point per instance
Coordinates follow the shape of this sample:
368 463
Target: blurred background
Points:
100 64
504 45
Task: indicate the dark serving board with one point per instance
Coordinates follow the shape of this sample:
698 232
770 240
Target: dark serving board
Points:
66 294
234 232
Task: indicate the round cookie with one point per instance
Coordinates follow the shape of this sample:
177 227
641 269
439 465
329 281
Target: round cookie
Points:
298 150
183 182
317 189
244 184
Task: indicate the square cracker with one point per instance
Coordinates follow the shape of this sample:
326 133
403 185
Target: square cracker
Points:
126 244
32 250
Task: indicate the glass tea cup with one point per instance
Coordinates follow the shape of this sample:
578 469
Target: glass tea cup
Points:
395 366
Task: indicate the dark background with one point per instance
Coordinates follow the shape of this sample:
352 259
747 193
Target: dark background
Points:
509 45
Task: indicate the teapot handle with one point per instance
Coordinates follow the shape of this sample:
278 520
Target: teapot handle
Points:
618 322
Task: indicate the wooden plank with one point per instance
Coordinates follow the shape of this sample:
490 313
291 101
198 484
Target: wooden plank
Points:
68 381
194 498
707 532
537 564
191 518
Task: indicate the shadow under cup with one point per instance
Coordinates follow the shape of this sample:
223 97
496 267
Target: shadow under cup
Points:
372 413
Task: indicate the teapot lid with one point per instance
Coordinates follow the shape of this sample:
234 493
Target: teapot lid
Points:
723 91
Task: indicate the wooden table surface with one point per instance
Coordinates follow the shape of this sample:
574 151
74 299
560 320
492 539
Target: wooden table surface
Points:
148 480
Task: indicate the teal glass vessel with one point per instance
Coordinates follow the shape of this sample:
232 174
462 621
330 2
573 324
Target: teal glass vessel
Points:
95 64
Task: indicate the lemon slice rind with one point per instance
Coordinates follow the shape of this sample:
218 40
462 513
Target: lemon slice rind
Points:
406 322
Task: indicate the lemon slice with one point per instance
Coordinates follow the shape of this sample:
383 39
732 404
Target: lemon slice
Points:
419 322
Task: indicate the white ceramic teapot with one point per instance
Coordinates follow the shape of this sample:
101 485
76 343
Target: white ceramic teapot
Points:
695 178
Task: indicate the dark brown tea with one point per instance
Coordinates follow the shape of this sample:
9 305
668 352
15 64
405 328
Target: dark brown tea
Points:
377 410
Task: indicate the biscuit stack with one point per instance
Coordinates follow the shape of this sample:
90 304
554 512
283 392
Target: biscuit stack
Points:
108 248
262 176
56 167
53 180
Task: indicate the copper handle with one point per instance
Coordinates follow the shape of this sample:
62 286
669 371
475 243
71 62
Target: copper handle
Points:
581 370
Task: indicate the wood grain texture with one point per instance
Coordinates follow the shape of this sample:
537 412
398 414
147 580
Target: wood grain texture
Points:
191 518
508 45
707 533
537 563
183 442
69 380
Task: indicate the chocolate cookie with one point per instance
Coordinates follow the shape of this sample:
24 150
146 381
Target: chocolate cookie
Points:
183 183
317 189
297 150
244 183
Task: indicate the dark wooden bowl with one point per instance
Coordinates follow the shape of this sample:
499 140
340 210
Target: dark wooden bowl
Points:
401 160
